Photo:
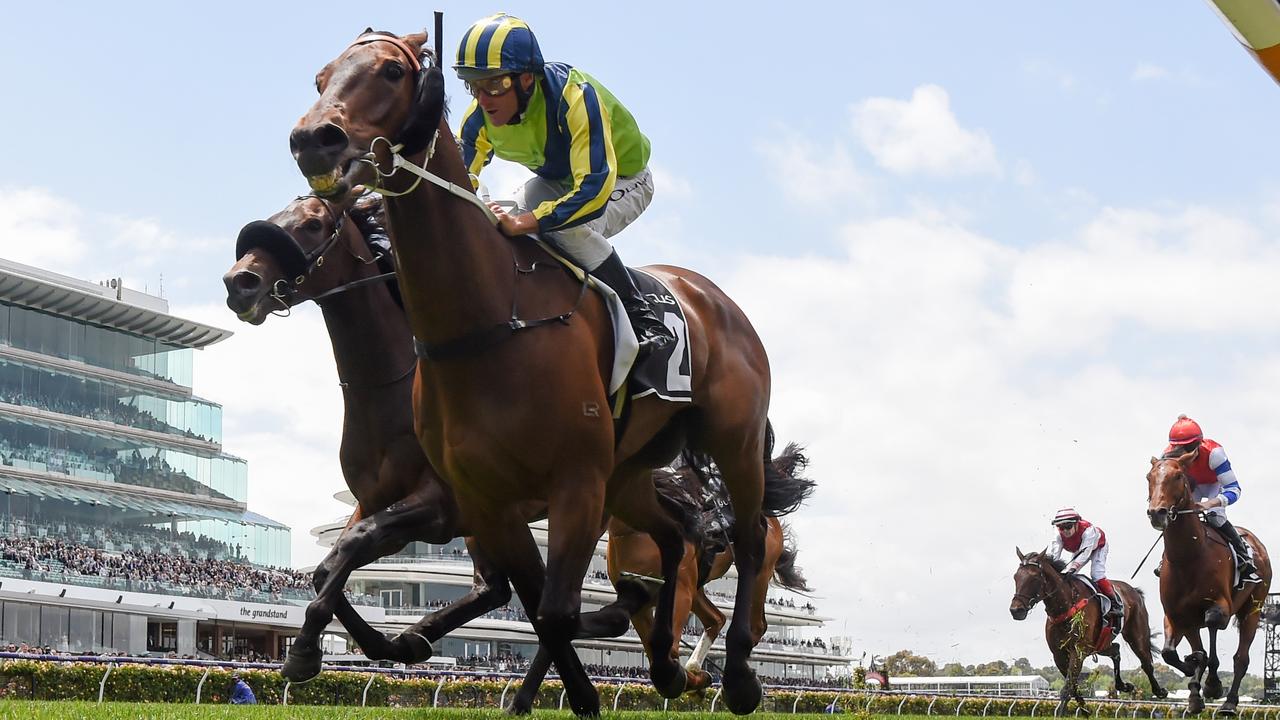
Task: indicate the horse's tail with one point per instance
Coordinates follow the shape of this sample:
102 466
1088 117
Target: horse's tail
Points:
678 503
785 486
785 572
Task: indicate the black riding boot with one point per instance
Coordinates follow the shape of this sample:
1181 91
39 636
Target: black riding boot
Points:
650 331
1242 551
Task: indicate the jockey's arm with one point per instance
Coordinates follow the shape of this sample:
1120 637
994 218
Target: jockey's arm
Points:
592 161
1055 547
1230 489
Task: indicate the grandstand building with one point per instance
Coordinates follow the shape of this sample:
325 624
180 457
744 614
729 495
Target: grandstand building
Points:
124 522
424 577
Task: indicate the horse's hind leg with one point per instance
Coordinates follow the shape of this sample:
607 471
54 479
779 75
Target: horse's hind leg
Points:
490 590
1114 653
634 500
1247 622
1137 632
712 622
739 450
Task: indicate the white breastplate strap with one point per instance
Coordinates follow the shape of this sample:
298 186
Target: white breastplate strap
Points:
398 161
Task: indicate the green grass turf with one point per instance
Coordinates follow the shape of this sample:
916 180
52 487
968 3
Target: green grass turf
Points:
40 710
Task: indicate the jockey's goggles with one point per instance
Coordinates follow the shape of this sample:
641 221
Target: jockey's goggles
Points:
496 86
1066 526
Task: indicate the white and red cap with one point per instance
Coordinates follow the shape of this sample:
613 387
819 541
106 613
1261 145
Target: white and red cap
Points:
1066 515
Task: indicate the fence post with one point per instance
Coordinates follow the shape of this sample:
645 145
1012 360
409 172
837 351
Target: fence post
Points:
958 706
619 694
1012 703
796 704
102 684
285 699
716 697
502 699
984 707
435 697
200 685
901 703
1035 706
364 696
870 699
929 710
562 694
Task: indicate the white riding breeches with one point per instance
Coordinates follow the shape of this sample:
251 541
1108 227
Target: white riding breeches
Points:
588 243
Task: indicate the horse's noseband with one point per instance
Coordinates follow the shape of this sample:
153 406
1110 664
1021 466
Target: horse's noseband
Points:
295 262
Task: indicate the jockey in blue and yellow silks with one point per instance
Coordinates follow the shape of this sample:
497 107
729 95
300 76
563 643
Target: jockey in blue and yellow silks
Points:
585 149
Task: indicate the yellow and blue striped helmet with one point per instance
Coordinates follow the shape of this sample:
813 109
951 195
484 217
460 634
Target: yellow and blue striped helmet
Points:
497 45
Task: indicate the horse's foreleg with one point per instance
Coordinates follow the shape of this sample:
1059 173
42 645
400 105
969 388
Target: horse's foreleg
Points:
1076 664
574 510
1197 661
1137 632
1169 653
490 590
632 597
1215 619
370 538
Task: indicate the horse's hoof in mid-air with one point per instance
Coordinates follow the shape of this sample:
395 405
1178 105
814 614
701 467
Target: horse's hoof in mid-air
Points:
1226 708
1212 688
1125 687
412 648
698 679
742 692
669 679
302 664
1159 692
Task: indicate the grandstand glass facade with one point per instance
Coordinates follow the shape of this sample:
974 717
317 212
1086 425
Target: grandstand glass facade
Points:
102 441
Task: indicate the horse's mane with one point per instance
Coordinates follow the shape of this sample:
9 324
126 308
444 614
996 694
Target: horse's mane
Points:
1055 563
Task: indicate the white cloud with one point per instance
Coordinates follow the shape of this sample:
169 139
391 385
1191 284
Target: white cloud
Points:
922 136
816 175
954 392
41 229
1148 71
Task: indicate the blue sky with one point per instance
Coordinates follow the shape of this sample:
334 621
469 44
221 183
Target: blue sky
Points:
994 249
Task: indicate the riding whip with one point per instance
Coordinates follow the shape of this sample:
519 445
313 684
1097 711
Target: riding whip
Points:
439 28
1144 557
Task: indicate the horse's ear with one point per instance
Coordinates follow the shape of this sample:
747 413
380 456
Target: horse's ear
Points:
1186 459
1154 460
1021 557
367 31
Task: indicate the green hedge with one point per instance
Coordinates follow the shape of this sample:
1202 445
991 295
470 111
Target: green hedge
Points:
38 680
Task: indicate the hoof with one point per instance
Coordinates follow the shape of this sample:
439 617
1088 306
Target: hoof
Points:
698 679
410 648
1227 708
1159 692
301 665
1195 705
1125 687
519 706
742 692
669 679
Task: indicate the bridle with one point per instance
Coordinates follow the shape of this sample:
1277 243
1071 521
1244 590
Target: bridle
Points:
296 263
1030 601
1172 510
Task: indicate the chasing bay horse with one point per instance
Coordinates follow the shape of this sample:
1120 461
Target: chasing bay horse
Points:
1074 626
706 558
1197 578
512 391
313 251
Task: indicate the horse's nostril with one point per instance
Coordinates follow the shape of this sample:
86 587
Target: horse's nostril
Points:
244 283
331 137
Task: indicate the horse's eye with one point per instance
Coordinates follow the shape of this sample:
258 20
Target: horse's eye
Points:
313 225
393 71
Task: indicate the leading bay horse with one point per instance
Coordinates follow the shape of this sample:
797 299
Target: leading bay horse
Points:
510 408
1074 626
1196 584
314 251
706 558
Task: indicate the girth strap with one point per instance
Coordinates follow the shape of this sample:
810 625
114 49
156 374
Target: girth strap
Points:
1070 613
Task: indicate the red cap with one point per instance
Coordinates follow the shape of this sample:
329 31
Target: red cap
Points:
1185 431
